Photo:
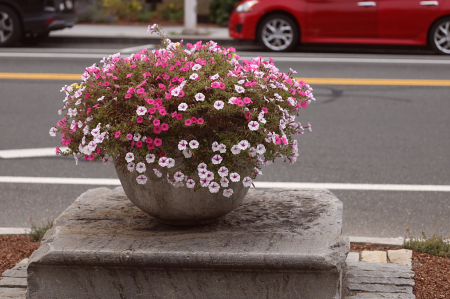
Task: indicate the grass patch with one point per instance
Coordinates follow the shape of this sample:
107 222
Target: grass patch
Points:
435 245
38 231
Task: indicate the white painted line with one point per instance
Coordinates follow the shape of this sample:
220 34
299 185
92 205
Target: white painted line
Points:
334 186
14 231
136 49
288 185
29 153
54 55
356 60
62 181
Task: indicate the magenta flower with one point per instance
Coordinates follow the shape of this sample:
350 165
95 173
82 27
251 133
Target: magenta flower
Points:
139 119
139 144
247 100
129 137
151 146
156 122
179 116
200 121
215 85
188 122
157 129
164 127
117 135
265 110
157 142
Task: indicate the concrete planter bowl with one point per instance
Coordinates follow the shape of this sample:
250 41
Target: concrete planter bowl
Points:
178 206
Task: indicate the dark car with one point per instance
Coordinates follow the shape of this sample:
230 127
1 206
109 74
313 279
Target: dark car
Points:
281 25
32 20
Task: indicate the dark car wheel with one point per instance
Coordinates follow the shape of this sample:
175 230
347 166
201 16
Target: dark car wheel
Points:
440 36
278 32
10 27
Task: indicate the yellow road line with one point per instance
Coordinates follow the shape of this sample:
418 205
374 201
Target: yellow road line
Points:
355 81
316 81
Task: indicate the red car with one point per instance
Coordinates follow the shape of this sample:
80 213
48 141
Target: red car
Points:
281 25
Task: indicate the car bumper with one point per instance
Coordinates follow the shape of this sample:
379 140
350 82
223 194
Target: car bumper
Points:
243 25
49 21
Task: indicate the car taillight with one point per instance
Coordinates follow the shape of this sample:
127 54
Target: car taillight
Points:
48 21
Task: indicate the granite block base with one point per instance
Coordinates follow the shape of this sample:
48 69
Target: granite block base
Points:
278 244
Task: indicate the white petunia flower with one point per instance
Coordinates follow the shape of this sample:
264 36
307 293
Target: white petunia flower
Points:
200 97
235 149
140 167
178 176
130 166
129 157
231 100
223 171
241 81
218 105
214 187
210 176
196 67
137 137
252 152
201 166
215 146
202 173
222 148
217 159
106 160
243 144
193 76
170 162
187 153
182 107
239 89
141 110
182 145
247 181
162 161
235 177
228 192
193 144
157 172
141 179
253 125
258 172
52 131
224 182
150 158
204 182
260 149
190 183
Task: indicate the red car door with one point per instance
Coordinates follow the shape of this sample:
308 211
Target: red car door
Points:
342 18
406 19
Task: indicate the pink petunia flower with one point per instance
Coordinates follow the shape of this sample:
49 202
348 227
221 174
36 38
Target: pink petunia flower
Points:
165 127
157 142
156 122
157 129
129 137
187 122
139 119
117 135
139 144
200 121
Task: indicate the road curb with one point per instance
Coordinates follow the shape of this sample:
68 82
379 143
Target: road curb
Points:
147 40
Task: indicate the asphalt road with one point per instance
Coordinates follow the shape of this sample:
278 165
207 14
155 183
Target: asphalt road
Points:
362 134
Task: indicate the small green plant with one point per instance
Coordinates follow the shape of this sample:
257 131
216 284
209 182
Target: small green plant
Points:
435 245
172 10
220 11
37 232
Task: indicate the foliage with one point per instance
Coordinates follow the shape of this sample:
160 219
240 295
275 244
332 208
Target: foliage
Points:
92 11
124 10
195 106
37 232
169 11
220 11
435 245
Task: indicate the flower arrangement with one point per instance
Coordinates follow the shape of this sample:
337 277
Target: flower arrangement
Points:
197 102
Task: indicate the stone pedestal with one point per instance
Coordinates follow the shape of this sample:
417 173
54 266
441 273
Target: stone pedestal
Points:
278 244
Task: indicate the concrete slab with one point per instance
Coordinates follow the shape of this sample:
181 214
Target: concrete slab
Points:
400 256
278 244
12 293
352 257
375 256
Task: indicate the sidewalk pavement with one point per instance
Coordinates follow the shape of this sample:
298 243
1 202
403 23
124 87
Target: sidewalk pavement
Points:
138 33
